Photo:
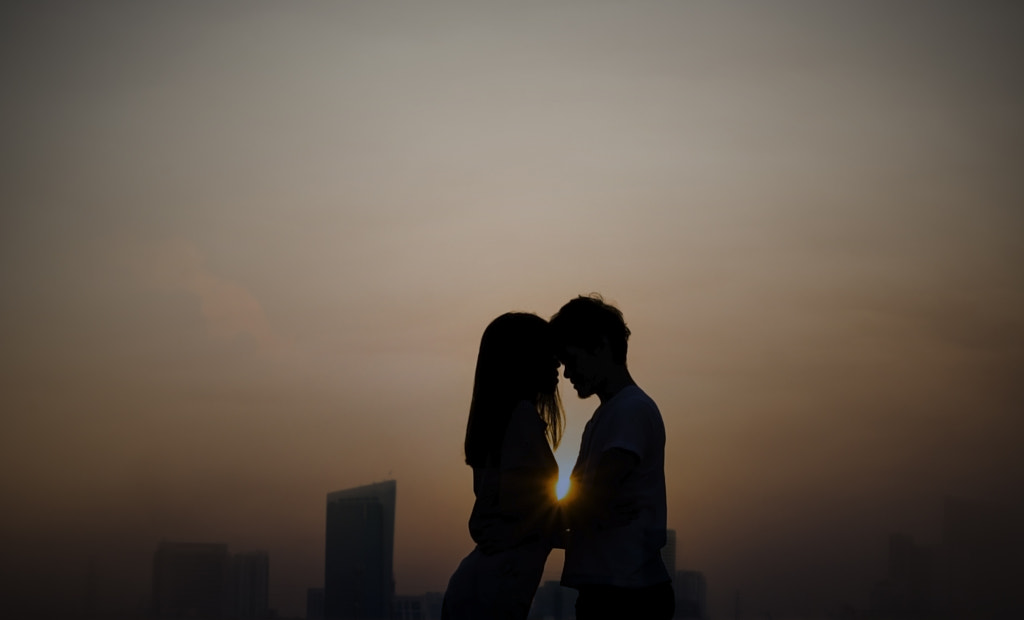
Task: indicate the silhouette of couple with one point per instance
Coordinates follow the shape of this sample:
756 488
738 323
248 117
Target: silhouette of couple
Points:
612 522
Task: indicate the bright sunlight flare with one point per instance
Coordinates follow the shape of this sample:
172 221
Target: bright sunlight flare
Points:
562 486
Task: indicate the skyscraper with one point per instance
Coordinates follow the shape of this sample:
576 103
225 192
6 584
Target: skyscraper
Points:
421 607
190 580
250 574
668 552
691 595
358 577
982 565
315 604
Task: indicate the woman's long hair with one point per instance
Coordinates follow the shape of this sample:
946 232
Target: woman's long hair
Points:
515 363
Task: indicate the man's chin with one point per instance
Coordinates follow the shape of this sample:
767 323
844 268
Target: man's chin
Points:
583 392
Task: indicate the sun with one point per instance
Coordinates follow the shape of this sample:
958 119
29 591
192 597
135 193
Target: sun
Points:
562 486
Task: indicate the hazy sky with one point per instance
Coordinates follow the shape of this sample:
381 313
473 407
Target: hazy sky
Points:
247 251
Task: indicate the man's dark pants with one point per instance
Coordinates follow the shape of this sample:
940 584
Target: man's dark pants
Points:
598 602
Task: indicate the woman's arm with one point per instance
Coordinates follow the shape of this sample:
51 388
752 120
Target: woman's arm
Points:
529 506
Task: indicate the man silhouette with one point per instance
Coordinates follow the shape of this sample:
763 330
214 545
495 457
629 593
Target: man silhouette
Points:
615 509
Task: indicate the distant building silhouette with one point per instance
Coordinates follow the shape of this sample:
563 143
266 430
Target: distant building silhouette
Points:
421 607
691 595
315 604
689 586
668 552
201 580
89 602
250 577
190 580
975 571
910 587
358 576
982 560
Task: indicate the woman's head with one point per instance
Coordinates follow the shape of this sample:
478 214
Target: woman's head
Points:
516 362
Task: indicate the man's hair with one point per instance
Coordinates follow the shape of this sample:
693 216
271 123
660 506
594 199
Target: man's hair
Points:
586 320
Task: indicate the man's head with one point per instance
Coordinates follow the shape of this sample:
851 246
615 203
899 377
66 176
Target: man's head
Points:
591 336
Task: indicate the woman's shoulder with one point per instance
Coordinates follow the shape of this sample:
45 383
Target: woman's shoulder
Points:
525 440
526 412
525 421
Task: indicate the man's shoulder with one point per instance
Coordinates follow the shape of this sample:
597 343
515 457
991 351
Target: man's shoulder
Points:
634 399
631 414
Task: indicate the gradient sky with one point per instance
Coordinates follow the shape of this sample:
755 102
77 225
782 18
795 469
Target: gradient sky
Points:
247 251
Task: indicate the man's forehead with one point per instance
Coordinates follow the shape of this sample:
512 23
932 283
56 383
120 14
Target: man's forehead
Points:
572 351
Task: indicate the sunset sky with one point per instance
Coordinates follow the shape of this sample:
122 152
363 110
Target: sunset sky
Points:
247 251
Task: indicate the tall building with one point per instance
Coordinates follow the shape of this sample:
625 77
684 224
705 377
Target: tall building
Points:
250 576
315 604
668 552
190 580
975 571
422 607
358 578
982 560
691 595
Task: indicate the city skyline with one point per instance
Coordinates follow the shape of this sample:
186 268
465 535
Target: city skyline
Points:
205 581
970 566
247 252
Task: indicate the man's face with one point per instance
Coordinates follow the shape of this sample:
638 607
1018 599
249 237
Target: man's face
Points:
549 381
583 369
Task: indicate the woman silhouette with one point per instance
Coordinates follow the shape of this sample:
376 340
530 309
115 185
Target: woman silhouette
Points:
515 419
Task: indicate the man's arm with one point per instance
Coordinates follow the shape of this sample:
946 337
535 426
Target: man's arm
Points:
597 504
